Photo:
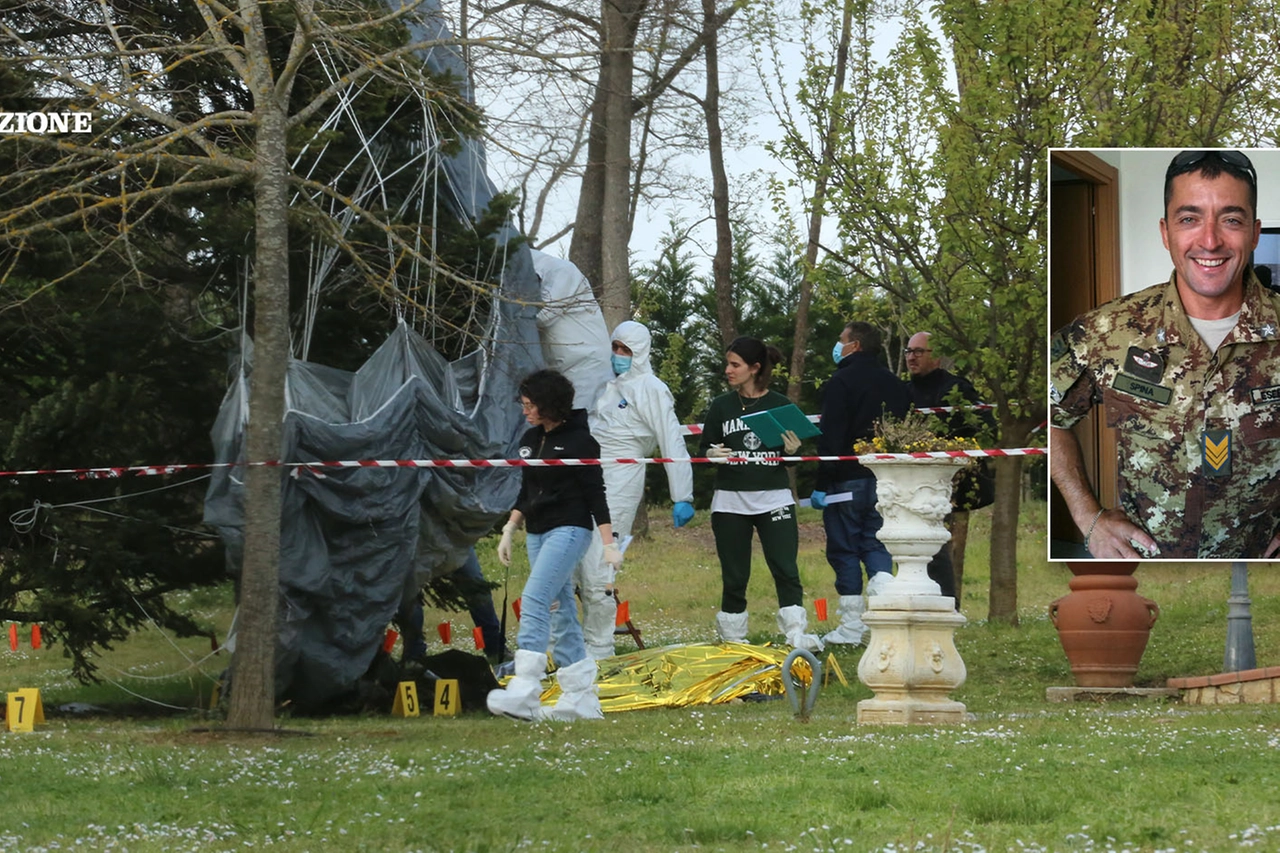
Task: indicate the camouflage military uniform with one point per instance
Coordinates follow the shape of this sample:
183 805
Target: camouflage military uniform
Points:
1199 432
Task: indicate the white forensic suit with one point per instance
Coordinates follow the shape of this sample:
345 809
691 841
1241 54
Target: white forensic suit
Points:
634 416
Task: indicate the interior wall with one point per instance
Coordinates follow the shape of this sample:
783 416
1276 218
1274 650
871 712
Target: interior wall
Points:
1143 259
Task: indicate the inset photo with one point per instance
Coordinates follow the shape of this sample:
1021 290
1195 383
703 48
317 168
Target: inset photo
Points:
1164 354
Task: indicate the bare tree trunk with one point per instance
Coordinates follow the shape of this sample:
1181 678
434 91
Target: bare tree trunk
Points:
959 539
1003 602
602 226
252 702
584 248
464 33
620 18
800 341
722 262
640 525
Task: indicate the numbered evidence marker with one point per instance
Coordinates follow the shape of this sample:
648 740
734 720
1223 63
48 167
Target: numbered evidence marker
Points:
24 710
833 667
448 700
406 704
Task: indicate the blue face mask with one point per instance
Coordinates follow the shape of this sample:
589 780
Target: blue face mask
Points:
621 363
837 352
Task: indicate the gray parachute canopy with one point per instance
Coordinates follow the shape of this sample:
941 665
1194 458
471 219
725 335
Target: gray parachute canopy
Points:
356 541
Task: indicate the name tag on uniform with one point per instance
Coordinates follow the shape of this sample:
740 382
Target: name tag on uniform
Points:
1146 390
1263 396
1215 450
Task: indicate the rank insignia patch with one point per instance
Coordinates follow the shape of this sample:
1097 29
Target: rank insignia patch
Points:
1215 448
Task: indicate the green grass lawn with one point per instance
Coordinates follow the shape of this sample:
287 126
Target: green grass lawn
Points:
1022 775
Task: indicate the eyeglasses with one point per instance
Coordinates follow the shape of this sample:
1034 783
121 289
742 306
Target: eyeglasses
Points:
527 406
1184 161
916 350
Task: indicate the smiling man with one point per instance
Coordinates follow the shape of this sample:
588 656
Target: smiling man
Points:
1188 372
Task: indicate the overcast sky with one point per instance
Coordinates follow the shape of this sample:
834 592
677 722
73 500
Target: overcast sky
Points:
746 165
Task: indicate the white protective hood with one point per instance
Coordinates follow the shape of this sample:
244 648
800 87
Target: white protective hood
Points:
635 415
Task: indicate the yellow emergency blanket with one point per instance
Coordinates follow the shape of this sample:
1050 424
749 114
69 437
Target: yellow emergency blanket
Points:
691 674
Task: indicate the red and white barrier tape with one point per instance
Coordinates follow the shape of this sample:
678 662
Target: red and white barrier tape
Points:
108 473
942 410
662 460
696 429
156 470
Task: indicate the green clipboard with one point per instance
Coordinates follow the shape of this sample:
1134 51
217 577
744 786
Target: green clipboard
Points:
770 424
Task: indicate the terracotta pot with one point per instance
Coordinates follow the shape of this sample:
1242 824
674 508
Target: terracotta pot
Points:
1104 625
1102 567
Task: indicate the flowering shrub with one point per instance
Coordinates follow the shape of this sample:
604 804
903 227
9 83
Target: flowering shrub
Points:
912 434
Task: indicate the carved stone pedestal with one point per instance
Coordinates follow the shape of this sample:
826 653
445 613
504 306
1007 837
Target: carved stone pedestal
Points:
911 662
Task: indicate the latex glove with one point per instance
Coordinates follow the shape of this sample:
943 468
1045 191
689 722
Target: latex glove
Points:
504 544
718 451
613 555
681 513
790 442
818 500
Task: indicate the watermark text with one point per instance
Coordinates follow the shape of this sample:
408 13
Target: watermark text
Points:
42 123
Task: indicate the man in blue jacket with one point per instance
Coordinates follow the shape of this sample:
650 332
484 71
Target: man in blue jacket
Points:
861 391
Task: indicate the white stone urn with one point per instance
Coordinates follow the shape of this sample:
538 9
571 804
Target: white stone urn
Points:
911 662
914 496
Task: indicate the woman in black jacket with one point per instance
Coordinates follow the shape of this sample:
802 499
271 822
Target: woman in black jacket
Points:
560 505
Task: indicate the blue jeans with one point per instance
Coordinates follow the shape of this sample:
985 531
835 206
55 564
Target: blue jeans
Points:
851 535
552 557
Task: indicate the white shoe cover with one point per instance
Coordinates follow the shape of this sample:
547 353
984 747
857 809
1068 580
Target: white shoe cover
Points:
877 583
792 622
522 697
852 630
732 627
579 696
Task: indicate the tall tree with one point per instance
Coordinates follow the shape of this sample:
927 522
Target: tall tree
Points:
96 374
722 260
826 104
665 295
602 230
621 67
193 97
939 190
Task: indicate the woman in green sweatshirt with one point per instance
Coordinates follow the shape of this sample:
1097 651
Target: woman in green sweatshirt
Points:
753 495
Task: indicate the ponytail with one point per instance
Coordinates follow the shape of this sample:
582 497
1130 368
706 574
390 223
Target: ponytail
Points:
755 351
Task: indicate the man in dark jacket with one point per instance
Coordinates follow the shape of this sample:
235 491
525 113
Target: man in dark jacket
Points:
931 386
860 392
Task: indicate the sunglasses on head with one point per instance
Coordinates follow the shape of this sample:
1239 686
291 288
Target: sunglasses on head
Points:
1184 161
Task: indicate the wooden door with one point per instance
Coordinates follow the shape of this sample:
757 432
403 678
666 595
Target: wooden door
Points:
1083 273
